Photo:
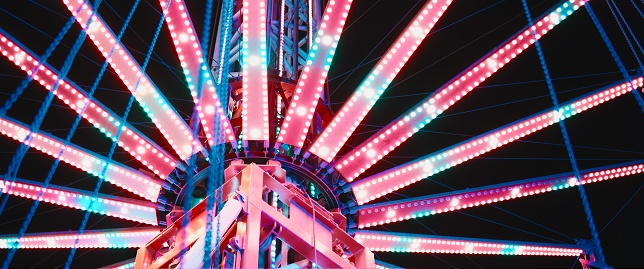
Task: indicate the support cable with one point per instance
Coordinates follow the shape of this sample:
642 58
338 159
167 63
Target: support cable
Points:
613 52
70 134
624 206
615 11
638 9
116 137
571 154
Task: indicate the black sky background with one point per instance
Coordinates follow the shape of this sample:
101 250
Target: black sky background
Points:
577 59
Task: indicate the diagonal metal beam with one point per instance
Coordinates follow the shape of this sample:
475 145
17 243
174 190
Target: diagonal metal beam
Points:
405 209
327 145
154 103
113 206
397 132
406 174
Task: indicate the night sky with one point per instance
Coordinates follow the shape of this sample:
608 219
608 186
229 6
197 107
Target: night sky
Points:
577 58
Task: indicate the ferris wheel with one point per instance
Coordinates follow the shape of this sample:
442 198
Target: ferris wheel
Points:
446 133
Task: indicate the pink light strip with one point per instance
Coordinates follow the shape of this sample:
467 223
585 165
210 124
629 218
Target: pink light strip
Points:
401 176
117 238
309 87
166 119
118 174
193 64
381 213
387 139
112 206
254 65
327 145
417 243
131 140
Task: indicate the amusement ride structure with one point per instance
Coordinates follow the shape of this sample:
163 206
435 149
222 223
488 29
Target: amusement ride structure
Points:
220 142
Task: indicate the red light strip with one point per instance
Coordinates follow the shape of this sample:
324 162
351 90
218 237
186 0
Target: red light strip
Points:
382 213
117 238
192 60
254 65
118 174
327 145
138 145
309 87
401 176
387 139
112 206
417 243
166 119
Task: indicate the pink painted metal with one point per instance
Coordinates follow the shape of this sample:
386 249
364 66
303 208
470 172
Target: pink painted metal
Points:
308 228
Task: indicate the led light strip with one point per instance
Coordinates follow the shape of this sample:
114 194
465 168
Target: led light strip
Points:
382 213
118 174
118 238
311 83
415 243
254 66
192 60
123 266
401 176
387 139
327 145
138 145
102 204
166 119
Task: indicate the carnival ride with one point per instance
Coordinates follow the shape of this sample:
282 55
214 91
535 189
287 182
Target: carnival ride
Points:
304 182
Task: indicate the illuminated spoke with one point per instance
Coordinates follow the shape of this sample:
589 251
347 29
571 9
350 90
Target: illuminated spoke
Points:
327 145
387 139
118 174
115 238
309 87
387 212
154 103
131 140
129 209
192 60
254 66
401 176
378 241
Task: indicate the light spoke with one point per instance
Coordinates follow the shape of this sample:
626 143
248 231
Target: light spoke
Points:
118 174
418 243
405 209
154 103
193 62
401 176
309 87
115 238
131 140
254 66
327 145
129 209
387 139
